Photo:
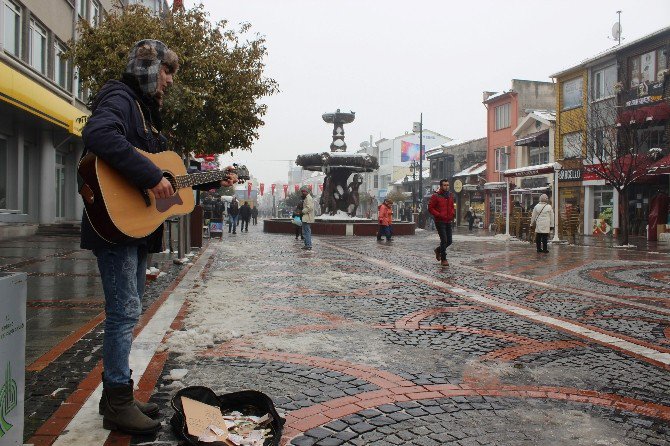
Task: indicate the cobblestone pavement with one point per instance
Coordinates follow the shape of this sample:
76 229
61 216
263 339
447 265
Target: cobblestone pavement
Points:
368 343
65 314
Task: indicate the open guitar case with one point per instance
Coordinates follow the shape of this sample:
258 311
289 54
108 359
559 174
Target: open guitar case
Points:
247 402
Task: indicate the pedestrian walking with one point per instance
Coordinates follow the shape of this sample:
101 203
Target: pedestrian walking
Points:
254 216
385 220
470 218
307 216
233 215
441 207
297 213
543 219
245 216
126 115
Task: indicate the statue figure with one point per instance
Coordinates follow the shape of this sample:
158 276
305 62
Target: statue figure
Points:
353 199
327 201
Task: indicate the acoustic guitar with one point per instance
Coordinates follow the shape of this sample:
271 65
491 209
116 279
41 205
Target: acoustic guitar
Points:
119 211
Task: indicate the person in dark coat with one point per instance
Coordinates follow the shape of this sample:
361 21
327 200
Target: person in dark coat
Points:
254 216
245 216
470 218
126 115
233 215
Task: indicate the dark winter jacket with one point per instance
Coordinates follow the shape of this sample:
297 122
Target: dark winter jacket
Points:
245 212
120 121
441 207
234 208
254 212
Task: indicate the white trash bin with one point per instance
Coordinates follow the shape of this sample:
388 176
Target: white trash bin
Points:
12 356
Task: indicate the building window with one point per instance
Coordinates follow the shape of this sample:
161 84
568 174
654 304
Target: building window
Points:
12 32
502 159
603 205
572 145
376 182
645 68
651 137
38 47
83 9
385 156
62 68
502 116
385 180
572 93
95 13
538 155
79 85
603 82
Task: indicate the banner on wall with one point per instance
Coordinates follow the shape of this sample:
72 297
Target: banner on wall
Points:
410 151
285 190
273 188
320 187
261 187
248 189
297 187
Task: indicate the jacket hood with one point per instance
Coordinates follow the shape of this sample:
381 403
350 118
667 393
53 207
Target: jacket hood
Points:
111 87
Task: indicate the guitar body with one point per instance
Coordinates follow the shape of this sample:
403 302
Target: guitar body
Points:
118 210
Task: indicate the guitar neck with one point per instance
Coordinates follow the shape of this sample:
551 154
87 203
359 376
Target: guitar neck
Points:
196 179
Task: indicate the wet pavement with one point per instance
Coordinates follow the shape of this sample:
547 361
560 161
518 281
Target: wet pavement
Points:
369 343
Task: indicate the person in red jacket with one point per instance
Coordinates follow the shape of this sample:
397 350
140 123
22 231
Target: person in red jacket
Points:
385 220
441 207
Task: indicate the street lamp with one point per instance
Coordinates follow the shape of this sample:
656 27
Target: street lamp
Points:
413 169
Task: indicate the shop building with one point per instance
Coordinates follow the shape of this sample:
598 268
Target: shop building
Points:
625 85
534 147
504 112
41 112
448 159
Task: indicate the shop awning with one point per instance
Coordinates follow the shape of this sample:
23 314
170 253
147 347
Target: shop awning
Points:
530 171
537 139
641 115
22 92
472 170
661 166
497 185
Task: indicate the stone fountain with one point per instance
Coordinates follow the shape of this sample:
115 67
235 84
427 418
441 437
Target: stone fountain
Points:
338 193
339 198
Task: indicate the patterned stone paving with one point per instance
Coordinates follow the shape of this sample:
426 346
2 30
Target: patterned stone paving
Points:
360 343
354 352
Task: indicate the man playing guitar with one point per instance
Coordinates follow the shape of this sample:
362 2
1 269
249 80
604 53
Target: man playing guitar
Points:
125 116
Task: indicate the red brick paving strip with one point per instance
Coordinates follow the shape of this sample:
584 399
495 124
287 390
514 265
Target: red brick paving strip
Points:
54 426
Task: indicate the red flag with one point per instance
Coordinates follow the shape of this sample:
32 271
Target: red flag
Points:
285 190
320 187
310 188
248 189
262 188
273 188
297 187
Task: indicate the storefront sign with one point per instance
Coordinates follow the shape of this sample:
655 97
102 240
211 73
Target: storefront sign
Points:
528 183
570 175
477 197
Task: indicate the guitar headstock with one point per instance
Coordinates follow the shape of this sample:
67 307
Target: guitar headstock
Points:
242 173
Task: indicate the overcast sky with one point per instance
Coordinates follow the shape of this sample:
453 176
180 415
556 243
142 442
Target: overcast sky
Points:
390 60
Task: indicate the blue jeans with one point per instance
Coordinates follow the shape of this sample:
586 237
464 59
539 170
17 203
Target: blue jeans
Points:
384 231
123 274
307 233
444 231
232 222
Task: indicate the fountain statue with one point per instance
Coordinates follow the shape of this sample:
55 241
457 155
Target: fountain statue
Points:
338 194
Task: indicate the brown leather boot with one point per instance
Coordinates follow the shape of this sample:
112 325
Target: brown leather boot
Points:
121 414
148 409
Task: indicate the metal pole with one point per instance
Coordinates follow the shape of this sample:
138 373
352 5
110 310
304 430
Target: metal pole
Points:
554 199
421 160
413 186
507 209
